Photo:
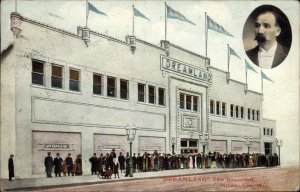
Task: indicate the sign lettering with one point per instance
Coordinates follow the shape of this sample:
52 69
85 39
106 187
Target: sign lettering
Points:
184 69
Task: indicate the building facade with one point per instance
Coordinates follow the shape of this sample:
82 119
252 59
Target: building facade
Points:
75 93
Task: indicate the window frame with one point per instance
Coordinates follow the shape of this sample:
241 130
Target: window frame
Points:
144 92
38 73
152 95
163 97
114 88
127 90
79 87
101 84
62 76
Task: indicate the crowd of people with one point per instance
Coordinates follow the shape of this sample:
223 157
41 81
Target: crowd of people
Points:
106 165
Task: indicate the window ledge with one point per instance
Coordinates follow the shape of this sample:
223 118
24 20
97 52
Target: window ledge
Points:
190 111
111 98
150 104
56 89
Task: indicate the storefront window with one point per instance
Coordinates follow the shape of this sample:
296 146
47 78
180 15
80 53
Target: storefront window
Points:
183 143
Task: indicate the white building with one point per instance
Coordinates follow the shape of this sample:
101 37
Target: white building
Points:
75 93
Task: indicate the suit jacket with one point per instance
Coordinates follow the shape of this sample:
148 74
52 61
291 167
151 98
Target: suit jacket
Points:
280 54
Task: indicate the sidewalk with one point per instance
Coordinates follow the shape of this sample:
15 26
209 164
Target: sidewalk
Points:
92 179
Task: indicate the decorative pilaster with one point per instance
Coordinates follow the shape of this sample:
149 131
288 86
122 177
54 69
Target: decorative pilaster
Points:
131 39
84 33
166 46
16 24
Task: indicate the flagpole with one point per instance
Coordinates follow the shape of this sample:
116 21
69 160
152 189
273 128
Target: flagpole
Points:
133 20
206 33
228 50
16 6
246 75
87 14
262 83
165 21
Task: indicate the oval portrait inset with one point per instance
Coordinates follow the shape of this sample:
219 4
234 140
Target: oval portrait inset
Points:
267 36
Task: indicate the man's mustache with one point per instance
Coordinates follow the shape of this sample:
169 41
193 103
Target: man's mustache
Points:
260 37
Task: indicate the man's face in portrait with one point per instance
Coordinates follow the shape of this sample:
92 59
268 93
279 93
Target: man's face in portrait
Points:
266 28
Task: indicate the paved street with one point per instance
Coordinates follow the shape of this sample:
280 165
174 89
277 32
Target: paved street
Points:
279 179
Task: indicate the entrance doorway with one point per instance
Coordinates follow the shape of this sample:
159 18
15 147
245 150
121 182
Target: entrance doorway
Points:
268 148
189 146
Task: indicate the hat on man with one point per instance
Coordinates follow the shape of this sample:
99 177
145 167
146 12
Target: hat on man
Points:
57 154
69 153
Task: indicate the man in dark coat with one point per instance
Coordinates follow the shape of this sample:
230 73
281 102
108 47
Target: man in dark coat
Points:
127 160
134 162
269 53
11 169
49 164
69 162
58 165
139 160
94 163
121 160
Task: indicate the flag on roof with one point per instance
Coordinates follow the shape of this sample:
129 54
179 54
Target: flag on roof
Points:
139 14
211 24
173 14
94 9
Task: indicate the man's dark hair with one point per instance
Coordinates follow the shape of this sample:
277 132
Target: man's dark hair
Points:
270 9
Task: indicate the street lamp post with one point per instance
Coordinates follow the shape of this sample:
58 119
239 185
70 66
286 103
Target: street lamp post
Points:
278 142
130 133
203 138
173 144
248 142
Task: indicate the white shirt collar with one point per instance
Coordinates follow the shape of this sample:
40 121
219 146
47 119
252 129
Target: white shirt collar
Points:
270 52
265 58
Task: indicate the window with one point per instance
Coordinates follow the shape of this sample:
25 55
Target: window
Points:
74 83
237 111
151 91
188 102
242 112
253 114
271 132
183 143
218 107
264 131
161 96
212 106
223 109
231 110
111 87
123 89
97 84
268 131
181 101
141 92
56 77
37 72
249 114
195 103
257 115
193 143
